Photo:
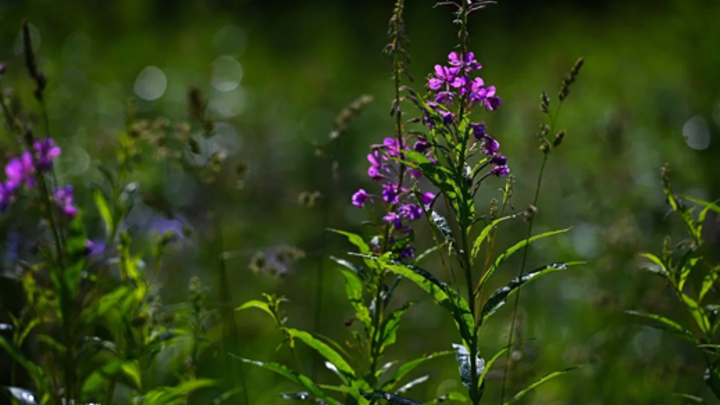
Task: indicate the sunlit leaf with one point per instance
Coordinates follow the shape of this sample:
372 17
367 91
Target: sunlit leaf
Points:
356 240
104 209
354 292
685 271
666 325
175 395
485 233
411 384
403 370
506 254
263 306
540 382
324 350
499 297
451 396
390 326
465 368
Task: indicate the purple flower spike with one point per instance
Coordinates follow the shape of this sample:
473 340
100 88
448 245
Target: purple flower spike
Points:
45 152
394 219
408 252
6 197
65 200
427 198
500 171
468 62
421 145
20 171
443 76
492 103
445 97
478 131
490 145
499 160
411 211
390 194
360 198
447 117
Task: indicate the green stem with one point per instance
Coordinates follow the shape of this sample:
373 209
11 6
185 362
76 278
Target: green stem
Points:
520 274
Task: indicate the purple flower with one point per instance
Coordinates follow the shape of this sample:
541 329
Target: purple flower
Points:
478 130
6 197
65 200
394 219
411 211
19 171
45 152
469 62
94 248
360 198
500 171
408 252
499 160
392 146
390 194
443 76
421 145
490 145
445 97
447 117
427 198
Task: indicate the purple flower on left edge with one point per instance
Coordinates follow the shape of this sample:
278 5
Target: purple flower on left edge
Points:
360 198
45 152
20 170
66 201
6 197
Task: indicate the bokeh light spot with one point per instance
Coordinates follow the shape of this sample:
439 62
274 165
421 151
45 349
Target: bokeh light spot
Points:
151 83
697 133
226 73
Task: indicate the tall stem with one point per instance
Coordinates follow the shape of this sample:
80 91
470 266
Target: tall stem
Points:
520 274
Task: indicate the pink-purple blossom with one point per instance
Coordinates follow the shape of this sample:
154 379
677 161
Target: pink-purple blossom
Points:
360 198
65 201
45 152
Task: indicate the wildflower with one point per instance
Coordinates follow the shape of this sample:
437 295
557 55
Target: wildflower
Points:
421 145
392 146
94 248
490 145
6 197
20 171
65 201
360 198
45 152
411 211
408 252
500 167
394 219
468 62
427 198
390 194
478 130
443 76
447 117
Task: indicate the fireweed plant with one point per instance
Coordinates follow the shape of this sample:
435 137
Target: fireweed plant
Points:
692 279
456 154
93 328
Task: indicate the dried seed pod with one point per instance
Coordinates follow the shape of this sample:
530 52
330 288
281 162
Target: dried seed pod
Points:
559 138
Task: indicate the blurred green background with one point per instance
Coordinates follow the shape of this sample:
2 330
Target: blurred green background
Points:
276 74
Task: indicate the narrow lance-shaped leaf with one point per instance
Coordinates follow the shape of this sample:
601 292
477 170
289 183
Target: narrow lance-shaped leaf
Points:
406 368
708 282
411 384
451 396
323 349
685 271
391 399
540 382
506 254
465 368
354 292
666 325
444 227
300 379
263 306
22 396
712 378
391 325
104 209
697 313
442 294
657 266
499 297
489 365
485 233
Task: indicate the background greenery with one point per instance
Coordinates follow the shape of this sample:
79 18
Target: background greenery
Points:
648 94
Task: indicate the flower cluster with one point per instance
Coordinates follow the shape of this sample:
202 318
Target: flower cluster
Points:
451 81
400 206
21 171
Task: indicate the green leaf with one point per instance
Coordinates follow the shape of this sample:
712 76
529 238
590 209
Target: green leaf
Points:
263 306
390 326
175 395
403 370
441 293
451 396
667 325
485 233
697 313
354 291
356 240
411 384
131 369
326 351
708 282
498 298
23 396
690 397
427 253
540 382
300 379
465 368
489 364
355 269
659 266
443 226
35 371
712 378
506 254
104 209
391 399
685 271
